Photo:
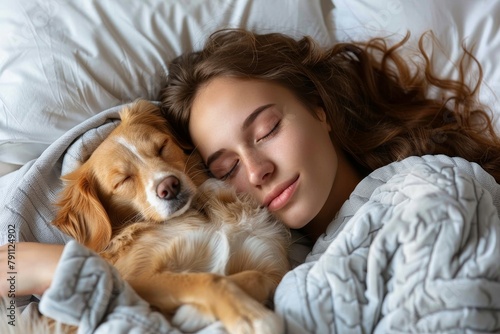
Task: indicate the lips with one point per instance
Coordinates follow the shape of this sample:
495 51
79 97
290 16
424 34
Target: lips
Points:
281 195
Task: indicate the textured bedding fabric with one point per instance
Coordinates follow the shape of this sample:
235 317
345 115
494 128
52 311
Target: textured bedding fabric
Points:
416 248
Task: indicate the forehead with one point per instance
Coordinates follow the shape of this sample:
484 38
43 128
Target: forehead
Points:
128 142
117 148
235 92
222 105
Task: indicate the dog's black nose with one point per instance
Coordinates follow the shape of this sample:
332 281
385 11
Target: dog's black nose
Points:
168 188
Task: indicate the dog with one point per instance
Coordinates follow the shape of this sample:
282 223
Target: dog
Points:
190 246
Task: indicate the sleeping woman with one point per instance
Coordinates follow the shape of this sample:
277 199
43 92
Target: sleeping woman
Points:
396 190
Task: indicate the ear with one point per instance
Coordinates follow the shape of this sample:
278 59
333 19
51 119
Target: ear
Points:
321 114
81 214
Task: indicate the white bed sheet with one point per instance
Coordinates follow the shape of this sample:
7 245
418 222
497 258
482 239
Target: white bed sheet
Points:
62 61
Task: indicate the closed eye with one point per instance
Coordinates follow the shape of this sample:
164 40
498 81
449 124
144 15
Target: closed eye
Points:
162 147
122 181
231 171
272 132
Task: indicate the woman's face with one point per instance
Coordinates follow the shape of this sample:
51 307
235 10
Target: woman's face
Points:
261 139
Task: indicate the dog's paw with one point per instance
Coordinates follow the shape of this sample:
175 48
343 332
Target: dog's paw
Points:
254 318
190 318
268 323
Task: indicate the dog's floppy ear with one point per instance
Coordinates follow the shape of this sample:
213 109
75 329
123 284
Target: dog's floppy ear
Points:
81 214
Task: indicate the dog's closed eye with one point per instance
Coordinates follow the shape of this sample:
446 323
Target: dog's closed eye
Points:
163 147
122 181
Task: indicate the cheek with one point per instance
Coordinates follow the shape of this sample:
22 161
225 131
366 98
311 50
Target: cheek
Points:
315 158
298 149
241 184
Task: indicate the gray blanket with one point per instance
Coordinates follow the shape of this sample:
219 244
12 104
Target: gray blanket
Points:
416 248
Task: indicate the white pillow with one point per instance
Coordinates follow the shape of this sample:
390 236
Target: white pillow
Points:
454 22
63 61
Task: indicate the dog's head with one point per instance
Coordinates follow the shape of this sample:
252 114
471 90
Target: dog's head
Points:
138 172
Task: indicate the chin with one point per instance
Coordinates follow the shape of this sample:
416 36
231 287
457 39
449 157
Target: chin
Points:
293 220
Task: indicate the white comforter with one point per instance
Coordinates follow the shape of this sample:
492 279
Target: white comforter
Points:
416 248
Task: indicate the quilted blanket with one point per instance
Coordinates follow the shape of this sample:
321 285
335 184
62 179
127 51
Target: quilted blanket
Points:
416 253
415 249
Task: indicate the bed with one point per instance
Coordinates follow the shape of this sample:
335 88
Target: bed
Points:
66 68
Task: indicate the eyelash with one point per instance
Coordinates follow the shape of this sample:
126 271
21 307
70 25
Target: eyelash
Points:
162 147
122 181
272 132
230 173
268 135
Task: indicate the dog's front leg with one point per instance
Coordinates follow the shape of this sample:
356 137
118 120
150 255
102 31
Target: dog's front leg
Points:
122 241
216 296
258 285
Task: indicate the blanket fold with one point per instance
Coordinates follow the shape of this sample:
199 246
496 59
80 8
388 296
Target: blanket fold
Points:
95 298
27 195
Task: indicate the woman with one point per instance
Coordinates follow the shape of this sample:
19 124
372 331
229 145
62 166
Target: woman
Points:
336 142
298 126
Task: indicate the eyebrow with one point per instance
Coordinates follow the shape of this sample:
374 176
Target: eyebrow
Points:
251 118
246 124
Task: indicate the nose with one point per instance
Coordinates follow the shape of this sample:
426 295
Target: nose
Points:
168 188
259 168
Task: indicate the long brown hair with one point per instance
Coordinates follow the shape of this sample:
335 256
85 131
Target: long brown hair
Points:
376 101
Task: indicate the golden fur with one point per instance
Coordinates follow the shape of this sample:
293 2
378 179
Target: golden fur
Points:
176 237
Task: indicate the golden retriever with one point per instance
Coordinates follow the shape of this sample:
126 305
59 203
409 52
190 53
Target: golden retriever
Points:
191 247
